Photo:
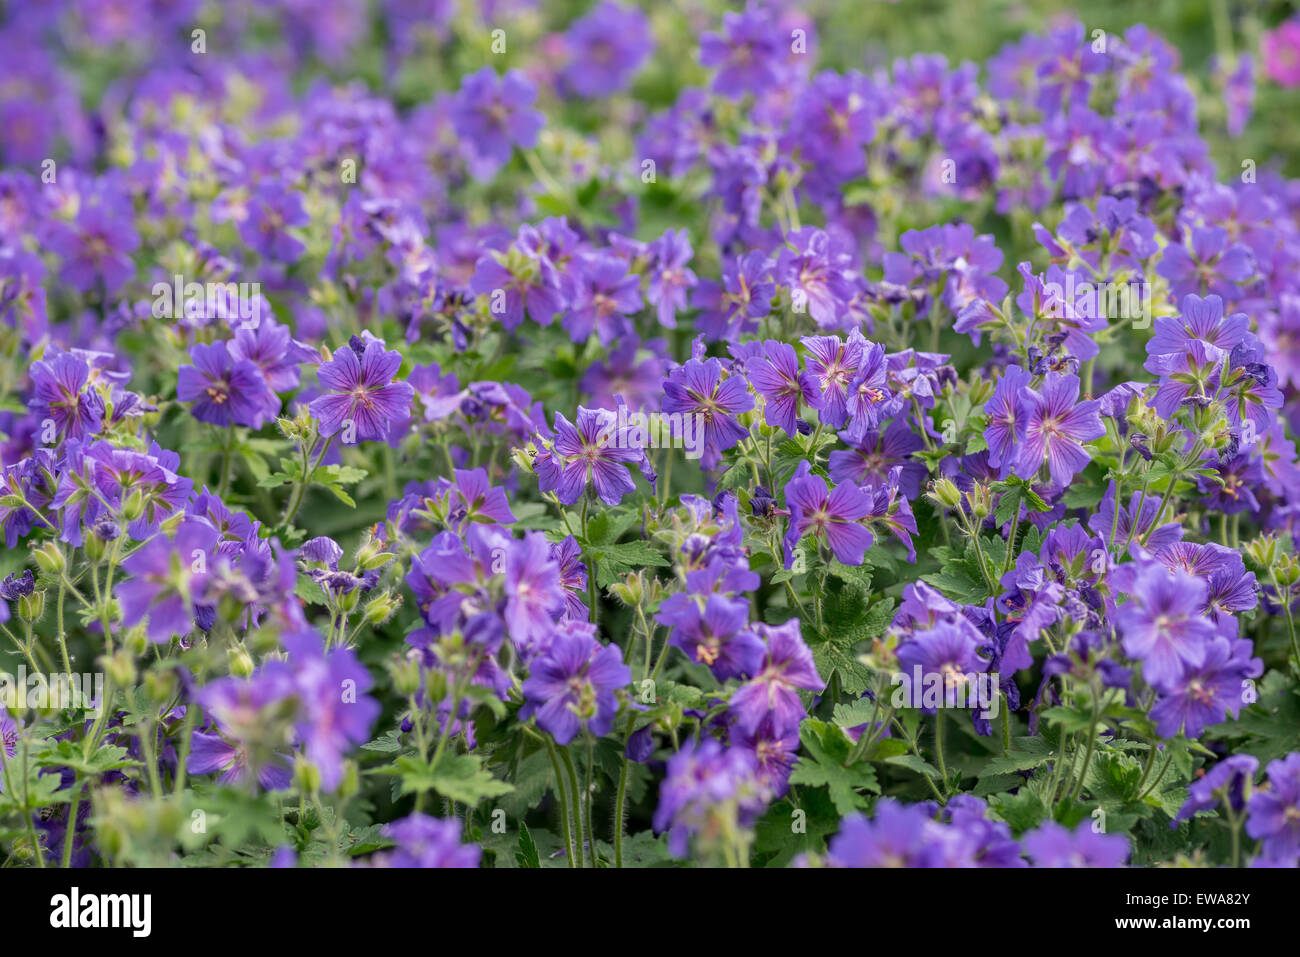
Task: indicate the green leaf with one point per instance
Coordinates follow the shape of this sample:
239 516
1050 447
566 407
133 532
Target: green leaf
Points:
66 754
823 764
527 855
462 778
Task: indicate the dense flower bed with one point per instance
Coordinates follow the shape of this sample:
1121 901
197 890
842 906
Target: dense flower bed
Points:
488 435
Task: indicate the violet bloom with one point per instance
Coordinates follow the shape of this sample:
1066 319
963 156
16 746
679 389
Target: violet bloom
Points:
515 283
1204 694
471 499
670 276
533 593
1006 415
1208 264
59 393
494 114
1274 810
732 309
1056 423
606 47
361 391
167 577
606 293
337 714
948 651
871 457
97 247
1281 48
697 388
1051 845
708 789
273 210
571 685
573 577
815 274
777 377
224 389
590 451
772 693
1229 780
899 835
749 53
427 842
1203 320
834 363
1162 625
717 636
277 355
831 516
230 761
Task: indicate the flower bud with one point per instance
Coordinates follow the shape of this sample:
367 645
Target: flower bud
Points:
944 493
134 506
405 673
49 558
31 607
306 776
240 661
121 668
380 608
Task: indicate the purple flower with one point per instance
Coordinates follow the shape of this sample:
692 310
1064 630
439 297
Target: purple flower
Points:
777 377
899 835
361 391
59 393
716 635
230 760
1055 425
698 388
670 277
834 363
749 53
731 309
772 693
1208 264
97 248
1274 810
570 686
1229 780
1203 320
272 211
533 593
831 516
872 457
1051 845
167 577
815 275
606 292
494 113
948 650
1204 694
224 389
708 790
606 47
590 451
424 841
337 714
1163 627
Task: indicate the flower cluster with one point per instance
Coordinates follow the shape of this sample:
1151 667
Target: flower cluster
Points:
574 445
